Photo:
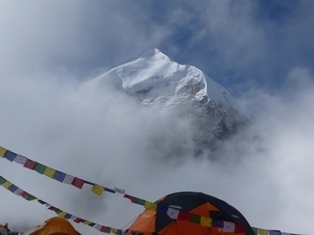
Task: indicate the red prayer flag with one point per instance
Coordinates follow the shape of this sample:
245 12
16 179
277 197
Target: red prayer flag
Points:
183 215
24 194
103 229
77 220
30 164
77 182
239 229
130 197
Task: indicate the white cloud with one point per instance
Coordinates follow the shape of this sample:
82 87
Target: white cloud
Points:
105 138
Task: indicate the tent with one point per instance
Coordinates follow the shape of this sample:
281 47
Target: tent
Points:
3 229
54 226
159 222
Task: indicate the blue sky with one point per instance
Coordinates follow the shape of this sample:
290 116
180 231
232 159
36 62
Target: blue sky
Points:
261 51
246 43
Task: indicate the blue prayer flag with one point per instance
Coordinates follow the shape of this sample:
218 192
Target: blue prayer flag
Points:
59 176
41 202
110 190
67 216
10 155
274 232
162 210
217 223
13 188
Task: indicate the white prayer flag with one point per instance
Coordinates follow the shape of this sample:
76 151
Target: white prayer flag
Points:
172 213
18 192
228 227
119 190
20 159
68 179
97 226
73 217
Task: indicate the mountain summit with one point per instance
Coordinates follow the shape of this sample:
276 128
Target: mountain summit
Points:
154 79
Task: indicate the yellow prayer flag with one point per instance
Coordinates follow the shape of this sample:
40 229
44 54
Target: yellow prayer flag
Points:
206 222
49 172
114 230
7 184
62 213
87 222
150 206
262 231
97 189
2 151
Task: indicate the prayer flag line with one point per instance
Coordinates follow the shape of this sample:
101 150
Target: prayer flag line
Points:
29 197
55 174
98 190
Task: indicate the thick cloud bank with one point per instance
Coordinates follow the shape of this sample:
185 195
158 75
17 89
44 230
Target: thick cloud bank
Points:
105 137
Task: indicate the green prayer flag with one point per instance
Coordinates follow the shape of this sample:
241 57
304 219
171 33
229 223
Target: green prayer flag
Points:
251 231
30 197
57 210
140 201
2 180
196 219
40 168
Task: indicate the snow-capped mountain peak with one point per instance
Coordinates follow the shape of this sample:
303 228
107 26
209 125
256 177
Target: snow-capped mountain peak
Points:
155 54
154 79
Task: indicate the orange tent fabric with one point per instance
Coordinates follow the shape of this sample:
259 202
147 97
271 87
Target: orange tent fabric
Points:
54 226
158 223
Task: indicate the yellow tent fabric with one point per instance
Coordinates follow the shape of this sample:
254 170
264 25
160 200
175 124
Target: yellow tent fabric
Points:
54 226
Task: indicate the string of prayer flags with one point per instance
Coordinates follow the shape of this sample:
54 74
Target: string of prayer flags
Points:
56 174
173 213
16 190
20 192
